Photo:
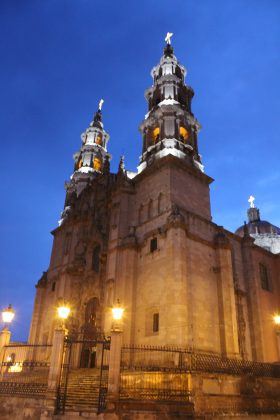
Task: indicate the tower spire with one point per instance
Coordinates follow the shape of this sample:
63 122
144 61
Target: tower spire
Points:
169 126
92 158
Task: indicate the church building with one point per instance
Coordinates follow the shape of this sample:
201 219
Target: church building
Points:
148 240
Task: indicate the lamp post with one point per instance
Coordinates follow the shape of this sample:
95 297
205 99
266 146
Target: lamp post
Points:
8 315
115 355
117 315
57 355
63 311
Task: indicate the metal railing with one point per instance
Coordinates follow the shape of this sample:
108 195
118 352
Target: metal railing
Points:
163 373
157 358
24 369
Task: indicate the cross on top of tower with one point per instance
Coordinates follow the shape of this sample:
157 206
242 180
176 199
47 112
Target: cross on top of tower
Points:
101 102
251 201
168 37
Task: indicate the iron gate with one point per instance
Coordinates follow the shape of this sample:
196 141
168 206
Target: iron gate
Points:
84 375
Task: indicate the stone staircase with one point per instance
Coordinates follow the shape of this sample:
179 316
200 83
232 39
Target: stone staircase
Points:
83 390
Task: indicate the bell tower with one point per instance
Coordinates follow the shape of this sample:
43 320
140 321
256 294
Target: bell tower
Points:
91 160
169 126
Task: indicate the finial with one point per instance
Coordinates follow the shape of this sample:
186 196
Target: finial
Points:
168 38
121 164
101 102
251 201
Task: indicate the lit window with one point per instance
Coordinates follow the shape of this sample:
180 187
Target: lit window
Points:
265 283
155 134
156 322
153 245
184 134
80 163
98 140
97 164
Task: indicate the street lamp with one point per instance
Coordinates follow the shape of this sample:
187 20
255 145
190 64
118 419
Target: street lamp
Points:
117 314
63 311
8 315
276 319
117 311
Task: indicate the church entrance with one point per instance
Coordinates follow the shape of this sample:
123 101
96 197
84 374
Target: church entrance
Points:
86 362
90 334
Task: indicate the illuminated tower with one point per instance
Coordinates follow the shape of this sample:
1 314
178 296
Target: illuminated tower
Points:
169 126
90 161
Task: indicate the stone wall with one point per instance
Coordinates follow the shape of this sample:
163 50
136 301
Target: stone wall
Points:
20 408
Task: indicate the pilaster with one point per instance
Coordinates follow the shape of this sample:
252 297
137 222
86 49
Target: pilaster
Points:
254 306
226 299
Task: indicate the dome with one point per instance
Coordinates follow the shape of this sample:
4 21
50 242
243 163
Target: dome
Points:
265 234
259 227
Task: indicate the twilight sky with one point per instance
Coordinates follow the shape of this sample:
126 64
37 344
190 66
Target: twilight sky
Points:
59 57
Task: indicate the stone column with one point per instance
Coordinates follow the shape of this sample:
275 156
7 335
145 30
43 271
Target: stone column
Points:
56 361
226 297
114 367
253 298
5 336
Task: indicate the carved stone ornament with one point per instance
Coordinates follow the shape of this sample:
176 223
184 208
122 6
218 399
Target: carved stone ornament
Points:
175 215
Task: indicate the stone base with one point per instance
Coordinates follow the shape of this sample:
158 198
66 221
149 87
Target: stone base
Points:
19 408
224 395
211 397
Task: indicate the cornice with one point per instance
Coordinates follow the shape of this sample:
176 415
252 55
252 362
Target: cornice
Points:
171 160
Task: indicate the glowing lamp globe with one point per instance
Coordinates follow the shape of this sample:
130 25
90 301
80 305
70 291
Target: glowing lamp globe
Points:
63 312
117 311
8 315
276 319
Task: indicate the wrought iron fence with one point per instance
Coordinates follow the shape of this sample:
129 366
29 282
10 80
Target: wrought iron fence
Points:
201 362
157 358
155 373
24 369
163 373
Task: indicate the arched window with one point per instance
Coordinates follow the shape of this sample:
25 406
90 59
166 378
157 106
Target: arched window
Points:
264 276
79 163
98 140
155 135
184 134
160 203
96 258
97 164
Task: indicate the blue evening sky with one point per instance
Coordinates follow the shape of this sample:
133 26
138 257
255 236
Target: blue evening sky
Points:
59 57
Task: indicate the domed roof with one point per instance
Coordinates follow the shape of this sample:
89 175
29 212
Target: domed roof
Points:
255 225
258 227
265 234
